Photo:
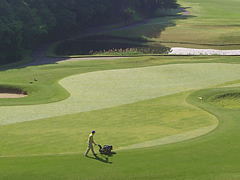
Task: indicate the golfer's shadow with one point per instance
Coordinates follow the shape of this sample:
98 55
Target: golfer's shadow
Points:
104 157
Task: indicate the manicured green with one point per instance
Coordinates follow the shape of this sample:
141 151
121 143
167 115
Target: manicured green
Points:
48 89
106 89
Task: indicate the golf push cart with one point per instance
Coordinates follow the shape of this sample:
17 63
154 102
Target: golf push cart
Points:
106 149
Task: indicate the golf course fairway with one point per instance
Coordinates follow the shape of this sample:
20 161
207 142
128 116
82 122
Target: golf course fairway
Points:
167 117
137 110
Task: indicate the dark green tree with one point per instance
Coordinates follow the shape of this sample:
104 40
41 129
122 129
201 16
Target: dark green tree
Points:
24 24
10 34
128 14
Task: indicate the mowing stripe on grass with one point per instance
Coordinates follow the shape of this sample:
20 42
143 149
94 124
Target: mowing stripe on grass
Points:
172 139
166 140
105 89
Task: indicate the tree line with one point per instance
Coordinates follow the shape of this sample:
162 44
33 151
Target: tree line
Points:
24 24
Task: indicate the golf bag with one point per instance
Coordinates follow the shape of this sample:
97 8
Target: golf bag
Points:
105 150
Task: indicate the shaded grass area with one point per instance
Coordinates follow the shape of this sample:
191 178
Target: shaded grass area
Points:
107 45
150 30
130 40
25 59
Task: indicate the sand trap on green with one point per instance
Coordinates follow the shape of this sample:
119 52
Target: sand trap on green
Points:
11 95
105 89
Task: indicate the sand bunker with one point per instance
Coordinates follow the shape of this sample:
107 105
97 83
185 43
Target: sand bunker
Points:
11 95
190 51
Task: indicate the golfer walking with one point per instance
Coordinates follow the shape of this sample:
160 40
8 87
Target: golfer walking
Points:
90 144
